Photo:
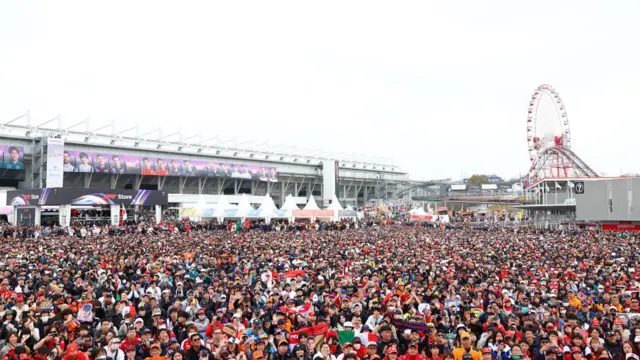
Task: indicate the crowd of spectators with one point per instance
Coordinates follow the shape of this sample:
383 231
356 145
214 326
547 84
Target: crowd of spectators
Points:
352 290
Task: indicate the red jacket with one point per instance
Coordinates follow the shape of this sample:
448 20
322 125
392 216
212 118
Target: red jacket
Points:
409 357
125 343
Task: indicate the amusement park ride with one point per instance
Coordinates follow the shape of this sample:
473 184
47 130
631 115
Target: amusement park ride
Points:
549 140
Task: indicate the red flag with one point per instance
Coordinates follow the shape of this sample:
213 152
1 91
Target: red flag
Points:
303 309
312 331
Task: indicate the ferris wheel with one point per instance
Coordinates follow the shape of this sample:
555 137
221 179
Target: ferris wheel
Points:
547 122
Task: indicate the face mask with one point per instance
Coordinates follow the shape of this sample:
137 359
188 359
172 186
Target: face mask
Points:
45 319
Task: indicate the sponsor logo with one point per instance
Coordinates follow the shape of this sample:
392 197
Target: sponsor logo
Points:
31 197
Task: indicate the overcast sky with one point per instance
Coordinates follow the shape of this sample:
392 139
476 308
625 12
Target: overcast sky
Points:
440 87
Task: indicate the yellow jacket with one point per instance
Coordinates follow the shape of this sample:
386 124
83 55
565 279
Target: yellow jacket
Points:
458 352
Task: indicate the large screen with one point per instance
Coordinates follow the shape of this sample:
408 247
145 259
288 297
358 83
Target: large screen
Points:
11 157
11 162
81 161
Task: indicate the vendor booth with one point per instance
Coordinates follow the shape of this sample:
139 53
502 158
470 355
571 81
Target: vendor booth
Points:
312 211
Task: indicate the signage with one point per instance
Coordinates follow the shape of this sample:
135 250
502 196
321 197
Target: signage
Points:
312 213
55 158
80 196
92 162
620 227
579 187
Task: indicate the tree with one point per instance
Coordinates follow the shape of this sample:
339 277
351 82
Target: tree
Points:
477 179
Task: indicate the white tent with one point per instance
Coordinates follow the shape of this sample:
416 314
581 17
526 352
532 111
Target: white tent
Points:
288 207
244 206
311 204
290 204
335 205
221 207
267 209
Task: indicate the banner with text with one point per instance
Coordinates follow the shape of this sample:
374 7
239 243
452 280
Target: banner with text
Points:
80 196
55 150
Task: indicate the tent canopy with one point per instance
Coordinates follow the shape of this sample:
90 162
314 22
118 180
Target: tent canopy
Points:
335 205
289 204
311 204
268 207
244 206
221 207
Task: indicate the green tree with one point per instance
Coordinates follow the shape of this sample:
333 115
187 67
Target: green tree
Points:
477 179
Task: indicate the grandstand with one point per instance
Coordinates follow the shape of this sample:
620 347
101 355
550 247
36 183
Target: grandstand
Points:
354 181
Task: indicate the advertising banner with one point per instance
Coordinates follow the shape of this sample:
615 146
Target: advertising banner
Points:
11 162
28 197
104 163
79 196
12 157
55 150
313 213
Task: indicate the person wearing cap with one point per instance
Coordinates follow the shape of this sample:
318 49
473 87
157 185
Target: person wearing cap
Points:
300 352
487 353
412 353
130 353
613 343
575 354
466 348
283 351
143 347
155 351
72 353
347 348
261 345
372 349
255 329
197 351
202 322
391 353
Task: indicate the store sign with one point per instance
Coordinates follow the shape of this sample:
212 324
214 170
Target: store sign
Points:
78 196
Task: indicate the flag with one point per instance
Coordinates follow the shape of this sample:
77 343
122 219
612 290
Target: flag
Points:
368 337
558 186
265 296
546 187
346 336
302 309
570 184
315 331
